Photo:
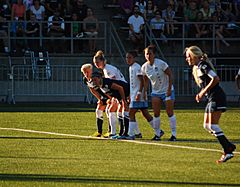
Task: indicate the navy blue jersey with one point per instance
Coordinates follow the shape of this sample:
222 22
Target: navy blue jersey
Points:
107 84
90 84
204 69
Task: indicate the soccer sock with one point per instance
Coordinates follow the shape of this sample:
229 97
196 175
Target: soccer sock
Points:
137 128
99 120
217 131
155 123
120 122
172 121
112 121
126 122
132 127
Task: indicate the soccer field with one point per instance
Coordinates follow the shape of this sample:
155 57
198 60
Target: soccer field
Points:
54 149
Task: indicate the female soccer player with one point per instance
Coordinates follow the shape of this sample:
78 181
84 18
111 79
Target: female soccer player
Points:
137 100
159 73
112 72
102 103
114 89
206 78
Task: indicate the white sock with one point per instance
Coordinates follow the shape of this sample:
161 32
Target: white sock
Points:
216 130
172 121
132 127
113 121
156 125
137 128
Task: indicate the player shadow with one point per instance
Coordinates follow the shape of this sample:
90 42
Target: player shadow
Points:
99 180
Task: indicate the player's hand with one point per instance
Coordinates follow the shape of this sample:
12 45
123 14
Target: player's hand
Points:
169 92
199 97
138 96
100 102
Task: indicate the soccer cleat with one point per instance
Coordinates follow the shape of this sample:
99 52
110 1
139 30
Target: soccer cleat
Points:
106 135
131 137
161 133
138 135
113 136
123 137
156 138
225 157
172 139
97 134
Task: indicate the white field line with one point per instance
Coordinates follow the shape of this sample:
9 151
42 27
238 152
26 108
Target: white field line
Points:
130 141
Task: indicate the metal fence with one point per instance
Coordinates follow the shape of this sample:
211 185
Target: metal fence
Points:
70 41
66 82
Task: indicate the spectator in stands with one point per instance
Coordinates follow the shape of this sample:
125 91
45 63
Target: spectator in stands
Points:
237 9
168 15
157 25
126 6
76 29
18 30
32 30
142 5
80 8
52 5
56 28
206 11
18 17
151 8
201 29
219 16
38 10
90 28
18 11
161 4
136 26
4 15
190 15
28 4
180 8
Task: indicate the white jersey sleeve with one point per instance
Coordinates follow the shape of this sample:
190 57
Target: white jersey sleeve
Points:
112 72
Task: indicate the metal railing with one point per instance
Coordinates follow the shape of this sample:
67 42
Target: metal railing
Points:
68 36
66 82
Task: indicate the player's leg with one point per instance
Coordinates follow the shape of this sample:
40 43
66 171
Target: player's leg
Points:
99 119
132 123
156 105
172 118
120 119
112 116
211 123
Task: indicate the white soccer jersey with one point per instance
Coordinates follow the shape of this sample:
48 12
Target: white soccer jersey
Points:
239 71
112 72
134 72
156 75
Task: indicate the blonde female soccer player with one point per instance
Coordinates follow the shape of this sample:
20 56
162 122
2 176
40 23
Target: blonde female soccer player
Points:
206 78
114 73
102 103
160 76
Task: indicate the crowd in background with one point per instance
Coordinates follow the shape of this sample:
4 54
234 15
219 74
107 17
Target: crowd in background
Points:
160 14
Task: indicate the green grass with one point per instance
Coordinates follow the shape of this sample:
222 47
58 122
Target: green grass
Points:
31 159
